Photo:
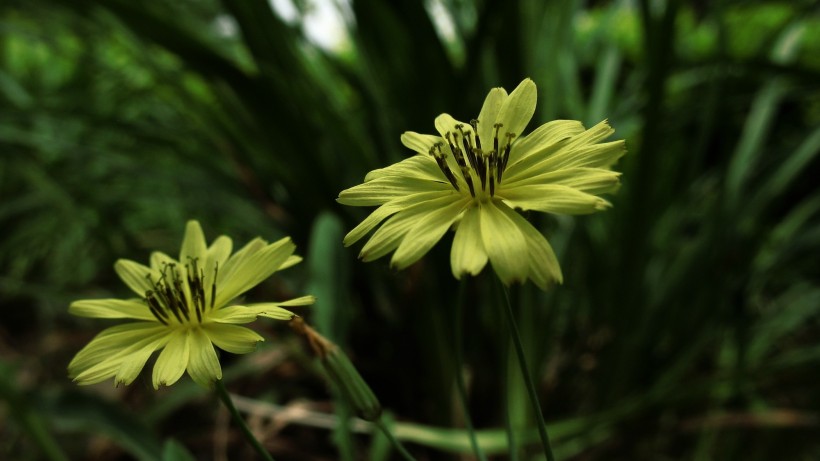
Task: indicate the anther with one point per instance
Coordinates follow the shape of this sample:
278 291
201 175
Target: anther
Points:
155 307
495 137
454 149
474 124
441 160
213 285
465 172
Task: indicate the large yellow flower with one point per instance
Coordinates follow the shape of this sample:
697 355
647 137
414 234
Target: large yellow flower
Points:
184 307
475 175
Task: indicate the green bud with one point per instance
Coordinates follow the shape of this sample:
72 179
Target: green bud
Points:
353 387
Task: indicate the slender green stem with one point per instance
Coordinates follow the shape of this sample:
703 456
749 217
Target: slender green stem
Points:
393 440
226 399
512 443
525 371
457 360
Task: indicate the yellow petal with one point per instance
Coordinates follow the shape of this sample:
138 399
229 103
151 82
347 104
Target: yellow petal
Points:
543 264
505 245
172 361
516 111
420 143
159 260
536 146
105 355
388 237
111 309
590 180
193 244
421 166
215 258
253 269
387 188
232 338
551 198
468 256
203 364
488 115
384 212
445 123
136 276
247 314
427 230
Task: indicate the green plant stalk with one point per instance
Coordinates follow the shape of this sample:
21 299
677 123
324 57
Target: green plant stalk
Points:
457 359
512 444
393 440
525 371
226 399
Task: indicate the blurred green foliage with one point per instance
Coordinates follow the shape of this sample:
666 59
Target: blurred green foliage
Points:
687 327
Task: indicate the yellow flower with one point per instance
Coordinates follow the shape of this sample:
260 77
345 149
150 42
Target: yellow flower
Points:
474 175
184 307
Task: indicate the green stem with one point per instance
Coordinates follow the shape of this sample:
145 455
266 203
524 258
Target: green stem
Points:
457 360
525 372
226 399
512 444
393 440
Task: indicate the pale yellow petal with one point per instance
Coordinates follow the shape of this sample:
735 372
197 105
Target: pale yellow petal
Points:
159 260
468 256
118 352
589 156
516 110
290 262
193 243
387 188
543 264
203 363
488 115
420 143
388 237
418 166
445 123
253 269
385 211
590 180
427 230
232 338
136 276
539 144
111 309
215 258
504 242
247 314
551 198
237 259
172 361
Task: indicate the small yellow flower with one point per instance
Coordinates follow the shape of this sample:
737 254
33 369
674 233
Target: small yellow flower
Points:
184 307
474 175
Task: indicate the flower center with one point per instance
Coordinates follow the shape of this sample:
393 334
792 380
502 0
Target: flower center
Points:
181 298
481 169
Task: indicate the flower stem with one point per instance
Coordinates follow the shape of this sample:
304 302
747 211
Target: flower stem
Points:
525 372
457 359
226 399
393 440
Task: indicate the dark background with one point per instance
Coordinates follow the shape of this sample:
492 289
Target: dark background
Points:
688 323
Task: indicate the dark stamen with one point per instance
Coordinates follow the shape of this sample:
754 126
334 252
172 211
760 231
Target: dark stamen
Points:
155 307
502 164
441 160
213 285
465 171
474 124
